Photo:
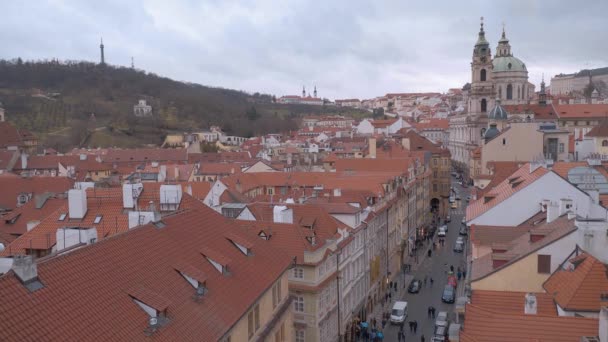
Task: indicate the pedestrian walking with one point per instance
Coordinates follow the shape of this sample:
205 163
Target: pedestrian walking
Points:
390 297
383 322
415 326
459 275
429 253
425 279
431 282
395 286
452 268
446 267
422 338
464 274
402 334
411 323
433 311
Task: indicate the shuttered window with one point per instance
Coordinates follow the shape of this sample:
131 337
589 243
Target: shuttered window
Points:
544 263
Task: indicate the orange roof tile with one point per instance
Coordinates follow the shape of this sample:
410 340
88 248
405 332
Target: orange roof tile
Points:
12 186
503 191
580 288
581 111
512 302
87 293
497 326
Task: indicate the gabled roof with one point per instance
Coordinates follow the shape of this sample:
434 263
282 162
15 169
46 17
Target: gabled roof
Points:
581 111
512 302
15 222
600 130
522 246
497 326
579 288
12 186
88 293
504 190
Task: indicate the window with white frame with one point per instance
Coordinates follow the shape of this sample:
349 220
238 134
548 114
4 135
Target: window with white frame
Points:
298 273
298 304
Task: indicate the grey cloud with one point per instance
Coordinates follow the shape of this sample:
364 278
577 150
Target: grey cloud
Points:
347 48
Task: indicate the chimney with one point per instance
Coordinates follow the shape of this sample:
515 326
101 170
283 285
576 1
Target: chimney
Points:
552 212
565 205
406 143
371 148
530 304
77 203
603 326
83 156
25 268
544 204
23 161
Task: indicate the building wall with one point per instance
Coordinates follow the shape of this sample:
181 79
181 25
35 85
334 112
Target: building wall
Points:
267 312
521 142
523 275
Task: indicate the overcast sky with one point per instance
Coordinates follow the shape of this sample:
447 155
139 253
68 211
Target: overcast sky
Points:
346 48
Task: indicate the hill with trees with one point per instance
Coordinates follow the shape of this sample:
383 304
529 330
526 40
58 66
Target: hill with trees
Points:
75 102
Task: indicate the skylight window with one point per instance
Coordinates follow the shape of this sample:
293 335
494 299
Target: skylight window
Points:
98 219
62 216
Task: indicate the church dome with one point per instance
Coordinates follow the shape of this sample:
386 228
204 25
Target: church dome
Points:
491 133
508 63
498 112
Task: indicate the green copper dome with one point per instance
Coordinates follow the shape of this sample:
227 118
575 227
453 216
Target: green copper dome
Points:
508 63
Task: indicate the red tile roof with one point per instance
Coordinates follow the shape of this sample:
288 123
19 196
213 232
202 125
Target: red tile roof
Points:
106 202
87 293
497 326
581 111
145 155
11 135
511 302
432 124
504 190
37 209
599 131
546 112
12 186
579 288
366 164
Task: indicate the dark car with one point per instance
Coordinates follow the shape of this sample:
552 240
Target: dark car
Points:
449 294
463 230
448 218
414 286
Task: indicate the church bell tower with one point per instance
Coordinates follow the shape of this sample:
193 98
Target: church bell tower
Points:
481 98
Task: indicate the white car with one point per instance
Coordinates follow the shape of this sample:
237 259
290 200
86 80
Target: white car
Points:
442 231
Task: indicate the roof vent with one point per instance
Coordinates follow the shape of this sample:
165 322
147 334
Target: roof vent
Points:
26 271
530 304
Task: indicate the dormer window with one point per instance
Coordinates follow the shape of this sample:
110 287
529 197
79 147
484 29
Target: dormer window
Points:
241 243
97 219
217 260
62 217
194 277
153 304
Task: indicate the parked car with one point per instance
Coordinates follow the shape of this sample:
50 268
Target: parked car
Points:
452 280
448 218
399 312
442 231
449 294
414 286
454 205
464 221
440 334
463 230
458 247
442 319
460 239
452 199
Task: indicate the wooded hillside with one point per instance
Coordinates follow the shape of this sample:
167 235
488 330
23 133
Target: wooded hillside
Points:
56 99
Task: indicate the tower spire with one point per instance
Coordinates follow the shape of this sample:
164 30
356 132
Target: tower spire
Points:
132 63
303 91
542 96
315 91
103 60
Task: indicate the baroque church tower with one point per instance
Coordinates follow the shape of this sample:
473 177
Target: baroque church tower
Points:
481 97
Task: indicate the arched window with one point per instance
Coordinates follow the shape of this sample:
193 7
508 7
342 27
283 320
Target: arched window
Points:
483 75
484 105
604 143
509 92
518 93
500 92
